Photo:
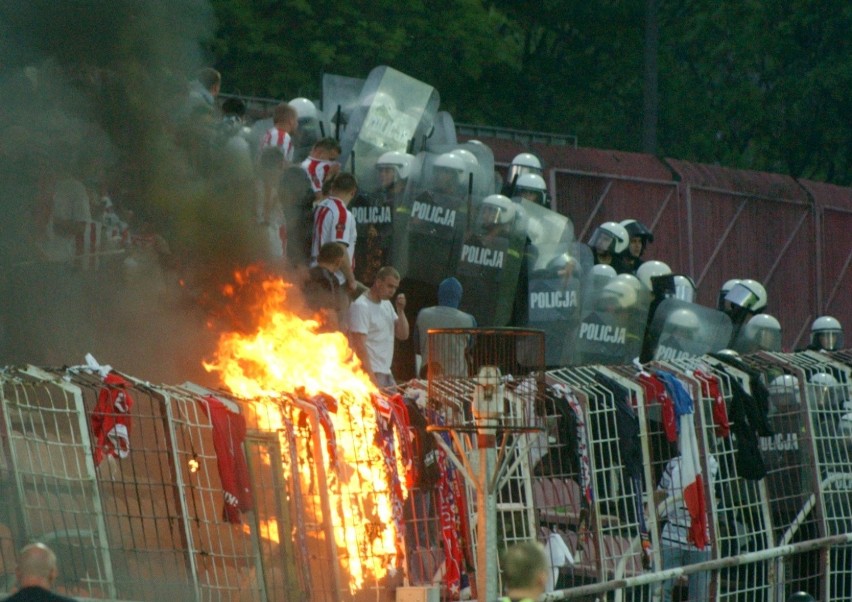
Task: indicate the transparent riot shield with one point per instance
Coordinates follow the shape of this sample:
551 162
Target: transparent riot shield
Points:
375 212
311 128
612 323
431 222
395 112
490 261
444 133
340 96
681 329
555 265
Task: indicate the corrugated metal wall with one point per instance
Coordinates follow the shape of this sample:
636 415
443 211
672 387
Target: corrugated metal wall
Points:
715 223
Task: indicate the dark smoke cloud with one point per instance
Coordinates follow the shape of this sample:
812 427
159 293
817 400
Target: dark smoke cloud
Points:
96 90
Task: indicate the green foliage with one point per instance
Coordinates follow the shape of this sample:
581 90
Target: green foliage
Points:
746 84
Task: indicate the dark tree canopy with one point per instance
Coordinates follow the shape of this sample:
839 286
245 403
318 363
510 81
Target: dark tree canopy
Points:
751 85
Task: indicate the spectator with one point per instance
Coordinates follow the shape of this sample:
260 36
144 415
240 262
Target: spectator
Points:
35 574
285 121
321 164
374 323
269 212
525 571
203 92
321 289
451 359
333 222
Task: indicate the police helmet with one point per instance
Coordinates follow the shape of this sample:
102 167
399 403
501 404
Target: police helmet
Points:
684 288
496 209
723 292
452 162
400 162
305 109
785 383
826 333
747 294
683 320
763 332
532 183
636 229
609 237
618 294
469 158
784 390
563 264
727 353
603 270
824 389
650 270
524 163
630 280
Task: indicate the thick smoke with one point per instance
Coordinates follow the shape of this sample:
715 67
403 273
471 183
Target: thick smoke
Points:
97 91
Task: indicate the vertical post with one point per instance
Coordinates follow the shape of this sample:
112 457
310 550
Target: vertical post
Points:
486 520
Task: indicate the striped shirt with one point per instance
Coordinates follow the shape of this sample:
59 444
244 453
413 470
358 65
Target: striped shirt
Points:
279 138
317 169
333 222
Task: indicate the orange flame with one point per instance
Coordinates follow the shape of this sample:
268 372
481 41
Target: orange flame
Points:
287 354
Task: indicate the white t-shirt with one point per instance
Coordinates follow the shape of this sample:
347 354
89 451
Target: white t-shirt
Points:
376 320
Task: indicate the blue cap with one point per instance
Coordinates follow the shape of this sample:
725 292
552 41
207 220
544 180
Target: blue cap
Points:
449 292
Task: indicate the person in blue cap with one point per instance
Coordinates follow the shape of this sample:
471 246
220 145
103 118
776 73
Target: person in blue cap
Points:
451 350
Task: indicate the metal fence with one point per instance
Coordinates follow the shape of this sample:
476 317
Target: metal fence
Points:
599 464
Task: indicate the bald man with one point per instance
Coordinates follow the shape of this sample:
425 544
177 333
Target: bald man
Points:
36 572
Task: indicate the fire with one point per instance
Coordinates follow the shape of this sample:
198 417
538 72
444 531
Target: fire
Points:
285 356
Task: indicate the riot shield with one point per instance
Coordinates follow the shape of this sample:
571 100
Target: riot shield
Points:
681 329
490 260
612 323
374 212
395 112
312 128
340 97
444 133
554 269
431 222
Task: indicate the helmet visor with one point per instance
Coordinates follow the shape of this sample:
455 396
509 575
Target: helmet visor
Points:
602 241
741 296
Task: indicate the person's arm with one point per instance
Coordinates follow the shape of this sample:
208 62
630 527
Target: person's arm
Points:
400 327
346 269
359 346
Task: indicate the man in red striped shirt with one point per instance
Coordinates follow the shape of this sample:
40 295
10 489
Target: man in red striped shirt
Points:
321 165
285 121
333 222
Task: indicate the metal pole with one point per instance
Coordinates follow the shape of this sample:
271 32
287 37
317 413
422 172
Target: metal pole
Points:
486 519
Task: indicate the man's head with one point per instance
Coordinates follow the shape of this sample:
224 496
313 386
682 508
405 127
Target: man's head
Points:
344 186
211 80
525 568
326 149
331 256
449 292
36 566
285 117
386 282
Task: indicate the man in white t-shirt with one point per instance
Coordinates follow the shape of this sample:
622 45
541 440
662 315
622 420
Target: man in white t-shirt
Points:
374 323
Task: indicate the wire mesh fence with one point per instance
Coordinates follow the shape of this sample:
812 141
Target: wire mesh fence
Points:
714 478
